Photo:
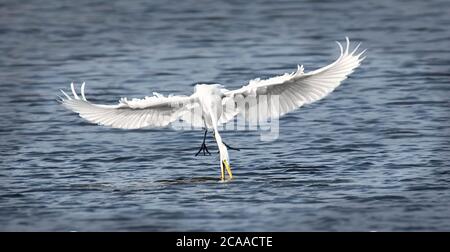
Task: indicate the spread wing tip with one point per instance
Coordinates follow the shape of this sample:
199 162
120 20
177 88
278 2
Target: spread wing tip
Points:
347 48
74 93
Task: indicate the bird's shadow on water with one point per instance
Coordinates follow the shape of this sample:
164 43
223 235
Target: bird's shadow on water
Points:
142 186
275 173
190 181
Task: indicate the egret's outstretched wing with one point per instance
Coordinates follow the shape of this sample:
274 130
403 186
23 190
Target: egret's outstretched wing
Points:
154 111
298 88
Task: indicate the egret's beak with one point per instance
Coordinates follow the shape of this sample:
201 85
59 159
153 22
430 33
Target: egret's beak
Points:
227 166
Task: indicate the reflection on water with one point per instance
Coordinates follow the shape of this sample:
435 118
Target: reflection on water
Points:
372 156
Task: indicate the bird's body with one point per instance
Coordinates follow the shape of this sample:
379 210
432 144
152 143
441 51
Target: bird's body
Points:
211 105
210 100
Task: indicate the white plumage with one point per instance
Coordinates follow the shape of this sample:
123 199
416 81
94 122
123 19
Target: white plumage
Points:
211 105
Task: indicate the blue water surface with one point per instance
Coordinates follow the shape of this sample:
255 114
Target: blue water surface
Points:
372 156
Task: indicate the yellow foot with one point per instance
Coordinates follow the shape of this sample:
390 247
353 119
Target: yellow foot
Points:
222 173
227 166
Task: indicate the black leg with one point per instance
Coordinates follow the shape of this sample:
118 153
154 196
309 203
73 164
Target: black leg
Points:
203 147
229 147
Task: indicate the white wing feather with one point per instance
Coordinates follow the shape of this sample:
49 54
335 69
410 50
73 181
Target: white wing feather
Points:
154 111
294 90
299 88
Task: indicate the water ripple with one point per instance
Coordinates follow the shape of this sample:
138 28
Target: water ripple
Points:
374 155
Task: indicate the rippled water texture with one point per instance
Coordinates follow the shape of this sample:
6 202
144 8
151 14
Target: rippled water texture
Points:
374 155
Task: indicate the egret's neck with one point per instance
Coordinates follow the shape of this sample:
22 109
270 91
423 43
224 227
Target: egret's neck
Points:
223 151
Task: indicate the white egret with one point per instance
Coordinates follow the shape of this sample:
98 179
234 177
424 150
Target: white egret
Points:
206 106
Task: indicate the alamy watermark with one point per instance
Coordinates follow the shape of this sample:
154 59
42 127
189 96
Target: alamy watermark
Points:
259 113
